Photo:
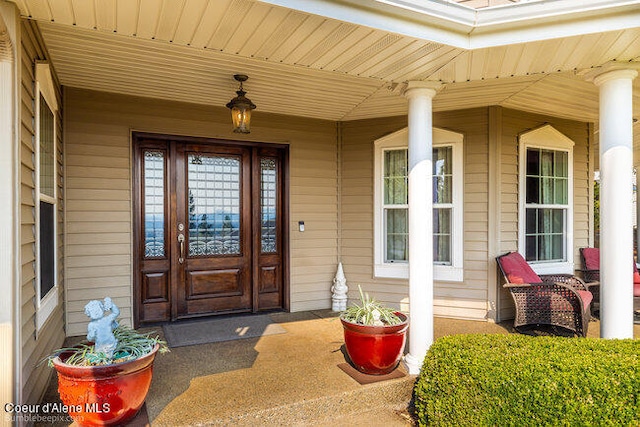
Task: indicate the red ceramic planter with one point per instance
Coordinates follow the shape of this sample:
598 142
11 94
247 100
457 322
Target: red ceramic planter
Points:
375 350
104 395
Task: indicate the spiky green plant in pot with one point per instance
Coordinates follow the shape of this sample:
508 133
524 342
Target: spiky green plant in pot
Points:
131 345
370 312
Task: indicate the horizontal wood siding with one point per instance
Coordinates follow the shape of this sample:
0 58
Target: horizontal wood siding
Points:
514 123
98 179
36 344
357 169
466 299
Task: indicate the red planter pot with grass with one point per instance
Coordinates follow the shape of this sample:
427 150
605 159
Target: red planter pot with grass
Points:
105 380
375 350
107 394
374 336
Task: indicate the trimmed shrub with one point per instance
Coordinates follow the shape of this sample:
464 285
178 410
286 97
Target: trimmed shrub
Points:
508 380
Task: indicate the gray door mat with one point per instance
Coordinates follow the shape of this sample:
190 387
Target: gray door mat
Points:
220 329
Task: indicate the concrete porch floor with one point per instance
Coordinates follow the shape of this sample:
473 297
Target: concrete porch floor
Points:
286 379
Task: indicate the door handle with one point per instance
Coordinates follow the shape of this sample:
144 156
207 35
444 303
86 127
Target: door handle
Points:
181 240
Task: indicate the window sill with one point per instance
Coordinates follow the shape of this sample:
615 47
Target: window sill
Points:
401 271
552 267
47 305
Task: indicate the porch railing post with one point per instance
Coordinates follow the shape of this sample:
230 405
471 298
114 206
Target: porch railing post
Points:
420 96
616 208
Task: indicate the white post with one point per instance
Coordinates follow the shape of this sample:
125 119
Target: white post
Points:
420 96
616 209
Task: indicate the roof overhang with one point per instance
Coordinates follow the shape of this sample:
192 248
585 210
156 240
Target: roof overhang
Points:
328 59
464 27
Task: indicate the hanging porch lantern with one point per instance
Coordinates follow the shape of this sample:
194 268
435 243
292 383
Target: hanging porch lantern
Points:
241 107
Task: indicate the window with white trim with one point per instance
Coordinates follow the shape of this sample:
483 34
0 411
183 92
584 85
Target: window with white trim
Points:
46 194
546 202
391 230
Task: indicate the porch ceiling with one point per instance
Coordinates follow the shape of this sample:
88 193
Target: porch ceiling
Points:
307 65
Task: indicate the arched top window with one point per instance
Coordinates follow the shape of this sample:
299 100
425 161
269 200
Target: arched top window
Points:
546 199
391 232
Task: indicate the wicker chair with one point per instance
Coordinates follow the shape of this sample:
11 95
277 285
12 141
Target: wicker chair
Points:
553 299
591 272
590 258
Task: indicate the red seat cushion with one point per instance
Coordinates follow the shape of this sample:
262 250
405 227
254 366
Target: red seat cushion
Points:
636 275
587 297
517 269
591 258
592 262
636 289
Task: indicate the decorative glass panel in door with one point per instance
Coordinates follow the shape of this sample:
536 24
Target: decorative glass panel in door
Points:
268 204
269 228
214 205
152 247
154 204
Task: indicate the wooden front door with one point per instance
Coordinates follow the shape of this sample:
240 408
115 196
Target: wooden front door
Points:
209 229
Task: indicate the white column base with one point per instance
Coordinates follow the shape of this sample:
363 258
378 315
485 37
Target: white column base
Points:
413 364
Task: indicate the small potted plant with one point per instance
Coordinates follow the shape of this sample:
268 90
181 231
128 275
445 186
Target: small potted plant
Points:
374 335
105 380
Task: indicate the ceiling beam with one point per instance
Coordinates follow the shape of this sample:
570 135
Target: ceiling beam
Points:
461 26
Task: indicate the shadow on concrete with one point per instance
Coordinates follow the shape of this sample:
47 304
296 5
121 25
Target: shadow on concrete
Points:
174 371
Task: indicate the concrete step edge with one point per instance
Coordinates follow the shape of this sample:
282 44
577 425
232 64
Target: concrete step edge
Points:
394 394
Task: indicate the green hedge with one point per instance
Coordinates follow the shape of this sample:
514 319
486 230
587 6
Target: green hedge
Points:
502 380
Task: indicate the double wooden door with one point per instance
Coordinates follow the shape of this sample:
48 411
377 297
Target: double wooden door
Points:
210 235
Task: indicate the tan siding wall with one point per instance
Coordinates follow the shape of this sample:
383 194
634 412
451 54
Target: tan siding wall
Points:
514 123
35 346
98 184
357 208
467 299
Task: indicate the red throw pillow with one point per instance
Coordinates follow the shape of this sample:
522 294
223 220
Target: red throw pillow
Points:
592 262
587 297
591 258
518 270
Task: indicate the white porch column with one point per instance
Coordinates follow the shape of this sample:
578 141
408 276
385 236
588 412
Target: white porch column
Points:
420 96
616 209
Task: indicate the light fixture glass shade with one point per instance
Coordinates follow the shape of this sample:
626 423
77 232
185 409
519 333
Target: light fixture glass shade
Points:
241 118
241 107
